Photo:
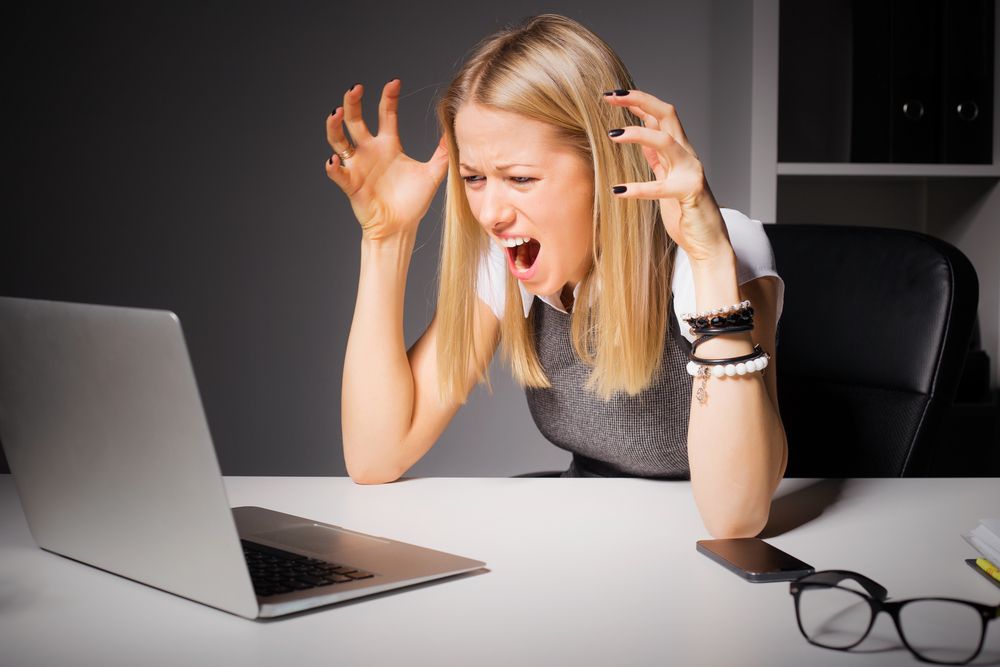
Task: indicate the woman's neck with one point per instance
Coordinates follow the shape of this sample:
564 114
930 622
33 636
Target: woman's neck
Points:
566 296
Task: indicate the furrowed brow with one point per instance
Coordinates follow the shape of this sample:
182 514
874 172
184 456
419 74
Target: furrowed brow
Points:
499 167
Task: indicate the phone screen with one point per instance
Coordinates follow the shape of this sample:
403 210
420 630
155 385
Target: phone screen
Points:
754 559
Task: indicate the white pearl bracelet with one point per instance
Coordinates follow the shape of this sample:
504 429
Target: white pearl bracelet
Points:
694 369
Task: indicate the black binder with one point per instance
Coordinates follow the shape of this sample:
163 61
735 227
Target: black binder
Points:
871 84
922 81
967 84
915 72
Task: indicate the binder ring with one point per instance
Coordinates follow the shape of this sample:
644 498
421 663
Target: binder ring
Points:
913 109
967 111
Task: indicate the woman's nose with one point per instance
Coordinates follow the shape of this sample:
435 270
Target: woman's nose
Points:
494 209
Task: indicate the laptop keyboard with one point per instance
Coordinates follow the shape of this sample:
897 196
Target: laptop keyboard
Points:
275 571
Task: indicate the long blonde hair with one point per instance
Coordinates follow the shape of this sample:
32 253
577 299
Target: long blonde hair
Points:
552 69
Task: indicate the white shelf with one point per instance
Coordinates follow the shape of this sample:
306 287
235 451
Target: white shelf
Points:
873 169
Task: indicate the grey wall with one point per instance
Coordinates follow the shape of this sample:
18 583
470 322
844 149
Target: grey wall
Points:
172 157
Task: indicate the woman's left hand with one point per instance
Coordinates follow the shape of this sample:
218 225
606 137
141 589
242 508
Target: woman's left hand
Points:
690 213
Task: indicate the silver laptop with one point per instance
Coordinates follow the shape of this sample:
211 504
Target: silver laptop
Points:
104 431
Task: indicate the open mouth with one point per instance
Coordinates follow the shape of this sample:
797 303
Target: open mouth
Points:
523 256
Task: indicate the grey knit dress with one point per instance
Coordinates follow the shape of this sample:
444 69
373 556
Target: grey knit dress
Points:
629 436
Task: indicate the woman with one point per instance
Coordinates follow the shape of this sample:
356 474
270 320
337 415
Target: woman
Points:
579 232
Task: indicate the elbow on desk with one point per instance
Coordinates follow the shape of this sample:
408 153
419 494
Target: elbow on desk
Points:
371 474
371 477
365 468
727 527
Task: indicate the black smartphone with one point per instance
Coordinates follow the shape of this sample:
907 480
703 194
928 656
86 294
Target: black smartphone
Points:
754 559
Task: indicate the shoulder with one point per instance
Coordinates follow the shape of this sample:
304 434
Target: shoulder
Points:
754 259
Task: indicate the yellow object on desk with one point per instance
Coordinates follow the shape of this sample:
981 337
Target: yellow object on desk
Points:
989 568
985 569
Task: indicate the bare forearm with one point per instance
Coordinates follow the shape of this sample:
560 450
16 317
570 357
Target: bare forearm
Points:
377 393
735 438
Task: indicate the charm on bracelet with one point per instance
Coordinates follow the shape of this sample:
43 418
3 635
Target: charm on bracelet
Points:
754 362
703 372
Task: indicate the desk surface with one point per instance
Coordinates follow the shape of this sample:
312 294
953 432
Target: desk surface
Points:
580 571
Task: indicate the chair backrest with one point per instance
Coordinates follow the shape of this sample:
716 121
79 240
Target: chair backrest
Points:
870 348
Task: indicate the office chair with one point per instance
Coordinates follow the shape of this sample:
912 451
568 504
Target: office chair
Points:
871 344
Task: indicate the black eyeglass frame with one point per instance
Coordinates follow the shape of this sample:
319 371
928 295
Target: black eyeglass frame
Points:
877 597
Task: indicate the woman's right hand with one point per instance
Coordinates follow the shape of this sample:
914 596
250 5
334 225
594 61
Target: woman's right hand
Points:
389 191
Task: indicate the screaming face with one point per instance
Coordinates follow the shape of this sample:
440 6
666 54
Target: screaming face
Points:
531 192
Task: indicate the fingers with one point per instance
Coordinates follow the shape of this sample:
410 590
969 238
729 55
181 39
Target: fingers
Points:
352 114
679 174
388 107
335 172
648 119
663 112
438 162
647 190
665 145
653 160
335 131
688 188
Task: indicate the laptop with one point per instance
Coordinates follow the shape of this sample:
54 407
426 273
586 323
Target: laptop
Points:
110 451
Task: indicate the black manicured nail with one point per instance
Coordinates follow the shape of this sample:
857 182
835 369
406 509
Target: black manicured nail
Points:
330 161
616 133
609 93
618 189
621 93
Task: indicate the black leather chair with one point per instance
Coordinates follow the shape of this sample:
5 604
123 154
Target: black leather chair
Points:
871 345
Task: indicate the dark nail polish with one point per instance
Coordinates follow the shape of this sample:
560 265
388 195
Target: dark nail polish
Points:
330 161
609 93
621 93
618 189
616 133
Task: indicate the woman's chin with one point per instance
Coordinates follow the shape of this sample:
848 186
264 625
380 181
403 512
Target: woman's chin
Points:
539 288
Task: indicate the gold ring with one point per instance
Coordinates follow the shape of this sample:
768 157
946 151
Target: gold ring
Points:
345 155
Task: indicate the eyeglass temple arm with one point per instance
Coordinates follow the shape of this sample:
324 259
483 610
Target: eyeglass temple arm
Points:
834 577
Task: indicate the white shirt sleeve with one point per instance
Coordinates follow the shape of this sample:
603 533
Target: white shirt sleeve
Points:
490 285
754 259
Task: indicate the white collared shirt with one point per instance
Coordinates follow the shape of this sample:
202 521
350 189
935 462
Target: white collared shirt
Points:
754 259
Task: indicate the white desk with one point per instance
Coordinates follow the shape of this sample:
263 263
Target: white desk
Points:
581 572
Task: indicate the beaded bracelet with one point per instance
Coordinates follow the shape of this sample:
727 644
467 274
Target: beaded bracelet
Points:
741 320
757 360
748 363
736 313
721 321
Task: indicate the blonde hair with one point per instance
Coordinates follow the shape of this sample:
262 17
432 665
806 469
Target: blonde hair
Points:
552 69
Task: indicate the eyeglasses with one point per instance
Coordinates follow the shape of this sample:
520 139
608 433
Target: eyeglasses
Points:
944 631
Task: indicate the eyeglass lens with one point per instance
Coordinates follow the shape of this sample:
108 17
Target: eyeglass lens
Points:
940 630
937 630
834 617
